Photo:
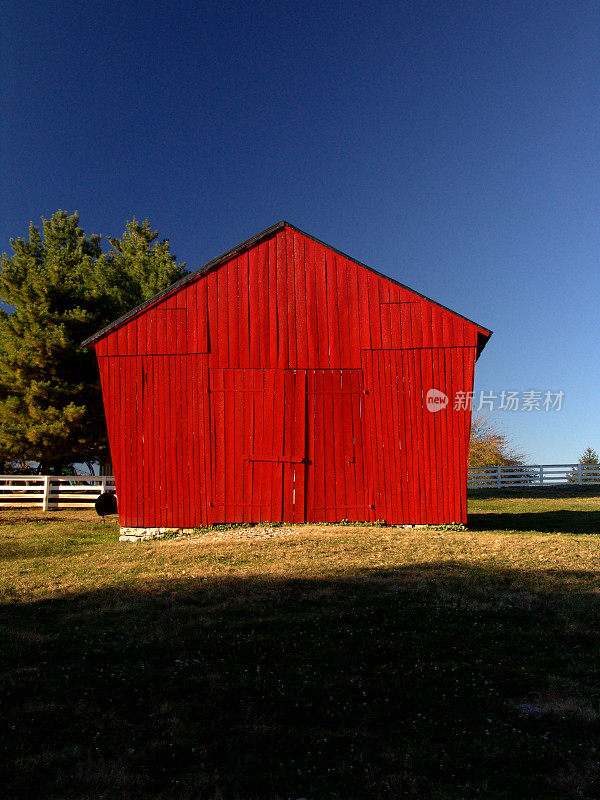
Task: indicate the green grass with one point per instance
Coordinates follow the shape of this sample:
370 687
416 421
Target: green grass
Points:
315 662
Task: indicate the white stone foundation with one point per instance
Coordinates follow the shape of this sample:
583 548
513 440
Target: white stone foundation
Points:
146 534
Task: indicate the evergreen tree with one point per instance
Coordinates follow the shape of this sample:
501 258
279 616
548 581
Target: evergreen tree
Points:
139 267
62 288
589 457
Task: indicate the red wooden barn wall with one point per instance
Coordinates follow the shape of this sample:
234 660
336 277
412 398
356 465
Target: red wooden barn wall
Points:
288 384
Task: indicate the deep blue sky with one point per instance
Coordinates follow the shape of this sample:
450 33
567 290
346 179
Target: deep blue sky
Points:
454 146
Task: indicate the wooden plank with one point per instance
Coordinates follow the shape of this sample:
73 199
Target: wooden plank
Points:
463 436
333 326
278 443
288 444
310 445
299 447
300 304
363 483
385 313
282 317
447 358
312 325
354 322
181 511
222 317
339 443
189 298
202 329
255 300
316 445
189 413
235 455
409 506
273 297
342 310
321 298
206 451
213 317
233 323
248 327
292 330
164 495
396 435
369 432
374 311
229 443
163 398
268 477
262 320
217 402
141 323
363 309
423 418
257 488
193 439
388 435
430 478
349 445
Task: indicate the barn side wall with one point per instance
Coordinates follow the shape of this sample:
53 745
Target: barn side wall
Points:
288 384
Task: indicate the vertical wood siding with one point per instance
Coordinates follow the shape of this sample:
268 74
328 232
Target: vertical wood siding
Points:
288 384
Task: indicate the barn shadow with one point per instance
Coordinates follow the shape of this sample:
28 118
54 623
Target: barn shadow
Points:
426 681
565 521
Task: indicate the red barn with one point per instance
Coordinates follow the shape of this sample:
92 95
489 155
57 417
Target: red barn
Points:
286 381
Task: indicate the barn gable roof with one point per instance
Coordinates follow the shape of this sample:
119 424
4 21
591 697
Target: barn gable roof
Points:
483 333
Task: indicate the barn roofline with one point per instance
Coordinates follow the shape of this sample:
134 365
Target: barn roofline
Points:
482 338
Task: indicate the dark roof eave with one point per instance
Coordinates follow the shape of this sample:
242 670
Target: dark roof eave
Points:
214 262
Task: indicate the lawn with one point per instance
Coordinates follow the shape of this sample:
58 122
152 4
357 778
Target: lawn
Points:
305 662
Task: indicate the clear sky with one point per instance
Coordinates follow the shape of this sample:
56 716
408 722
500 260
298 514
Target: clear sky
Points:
454 146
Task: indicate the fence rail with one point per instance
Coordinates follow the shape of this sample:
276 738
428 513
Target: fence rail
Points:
81 491
49 491
533 475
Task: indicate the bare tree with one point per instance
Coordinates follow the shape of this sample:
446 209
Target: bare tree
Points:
490 446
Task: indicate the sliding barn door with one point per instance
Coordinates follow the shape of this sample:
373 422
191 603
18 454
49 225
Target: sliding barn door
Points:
288 445
258 445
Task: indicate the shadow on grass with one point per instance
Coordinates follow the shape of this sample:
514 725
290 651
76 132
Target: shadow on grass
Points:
544 521
431 681
536 492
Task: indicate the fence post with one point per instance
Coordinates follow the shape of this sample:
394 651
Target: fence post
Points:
541 474
46 495
499 477
103 485
579 477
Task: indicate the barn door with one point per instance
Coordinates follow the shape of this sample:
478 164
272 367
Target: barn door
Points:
338 484
257 445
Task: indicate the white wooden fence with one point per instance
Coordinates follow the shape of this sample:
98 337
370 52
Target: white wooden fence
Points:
533 475
49 491
81 491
